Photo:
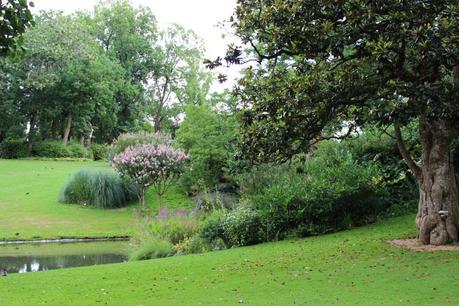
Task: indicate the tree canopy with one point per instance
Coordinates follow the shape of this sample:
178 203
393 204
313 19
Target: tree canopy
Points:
324 68
15 18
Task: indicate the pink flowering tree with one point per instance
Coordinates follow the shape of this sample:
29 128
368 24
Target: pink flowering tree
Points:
150 165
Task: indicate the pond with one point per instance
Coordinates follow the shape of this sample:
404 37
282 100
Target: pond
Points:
22 258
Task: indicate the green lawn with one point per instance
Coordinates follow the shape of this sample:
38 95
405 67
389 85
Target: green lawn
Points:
355 267
29 207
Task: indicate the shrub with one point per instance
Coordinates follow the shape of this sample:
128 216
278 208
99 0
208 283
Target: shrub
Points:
151 249
53 149
238 227
192 245
329 192
175 226
212 228
149 164
132 139
242 226
372 146
15 148
99 151
101 189
76 150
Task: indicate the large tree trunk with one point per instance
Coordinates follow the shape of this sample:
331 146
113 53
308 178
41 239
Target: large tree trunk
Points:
65 137
438 215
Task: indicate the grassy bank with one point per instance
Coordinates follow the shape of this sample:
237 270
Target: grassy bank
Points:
355 267
29 209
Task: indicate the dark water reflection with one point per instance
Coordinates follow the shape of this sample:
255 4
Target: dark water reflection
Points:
21 259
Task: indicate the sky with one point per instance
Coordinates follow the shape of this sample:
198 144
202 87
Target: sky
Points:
201 16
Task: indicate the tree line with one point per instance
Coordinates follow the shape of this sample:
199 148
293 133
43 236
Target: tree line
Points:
91 76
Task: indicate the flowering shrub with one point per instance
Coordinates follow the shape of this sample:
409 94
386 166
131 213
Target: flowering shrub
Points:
150 165
127 140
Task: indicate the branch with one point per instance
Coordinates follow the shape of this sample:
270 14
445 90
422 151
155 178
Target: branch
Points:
404 152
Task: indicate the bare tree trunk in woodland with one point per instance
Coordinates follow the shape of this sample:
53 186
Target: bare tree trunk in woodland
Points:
65 137
31 136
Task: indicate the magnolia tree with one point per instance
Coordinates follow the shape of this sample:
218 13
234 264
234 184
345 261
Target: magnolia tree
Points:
150 165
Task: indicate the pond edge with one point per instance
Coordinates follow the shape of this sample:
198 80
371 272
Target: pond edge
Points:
66 240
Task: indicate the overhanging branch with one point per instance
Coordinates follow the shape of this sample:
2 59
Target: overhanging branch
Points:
404 152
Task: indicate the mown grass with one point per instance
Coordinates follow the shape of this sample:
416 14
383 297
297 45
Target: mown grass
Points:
356 267
29 208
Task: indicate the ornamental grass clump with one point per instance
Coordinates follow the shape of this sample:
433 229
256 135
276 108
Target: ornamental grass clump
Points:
150 165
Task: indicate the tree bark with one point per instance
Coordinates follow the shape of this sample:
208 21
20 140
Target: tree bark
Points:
54 126
437 220
31 136
65 137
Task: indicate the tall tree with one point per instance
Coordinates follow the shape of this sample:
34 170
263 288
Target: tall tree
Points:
128 35
63 81
322 63
178 78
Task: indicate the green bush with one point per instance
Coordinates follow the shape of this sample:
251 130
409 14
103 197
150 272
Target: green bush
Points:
238 227
76 150
53 149
374 147
212 228
151 249
99 151
101 189
130 139
192 245
15 148
242 226
328 192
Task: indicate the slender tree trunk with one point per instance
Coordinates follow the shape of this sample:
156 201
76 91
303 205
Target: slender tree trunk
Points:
65 137
54 126
89 139
32 122
142 199
438 214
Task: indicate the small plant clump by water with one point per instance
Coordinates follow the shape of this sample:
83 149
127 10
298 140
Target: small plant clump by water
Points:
102 189
152 248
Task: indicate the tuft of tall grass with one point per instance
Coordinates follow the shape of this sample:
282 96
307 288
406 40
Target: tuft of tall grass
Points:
102 189
151 249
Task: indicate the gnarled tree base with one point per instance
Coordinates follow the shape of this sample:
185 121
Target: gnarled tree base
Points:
437 220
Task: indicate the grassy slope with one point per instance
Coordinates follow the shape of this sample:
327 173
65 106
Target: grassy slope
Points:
349 268
29 207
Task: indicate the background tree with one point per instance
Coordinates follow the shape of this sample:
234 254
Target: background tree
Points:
15 18
63 83
209 137
326 64
178 79
128 35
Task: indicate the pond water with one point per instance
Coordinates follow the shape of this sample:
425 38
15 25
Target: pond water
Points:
36 257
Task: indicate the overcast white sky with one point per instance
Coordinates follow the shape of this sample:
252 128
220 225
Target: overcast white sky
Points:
201 16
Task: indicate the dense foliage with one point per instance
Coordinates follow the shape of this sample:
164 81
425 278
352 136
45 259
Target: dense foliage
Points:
15 18
101 189
328 192
209 137
326 68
